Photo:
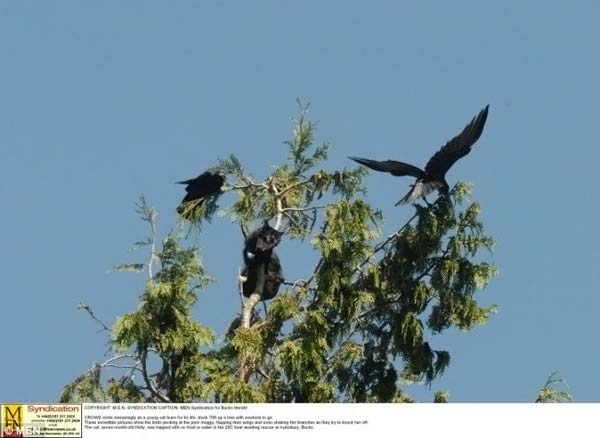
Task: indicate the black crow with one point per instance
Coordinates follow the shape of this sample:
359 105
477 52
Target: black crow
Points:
433 177
198 190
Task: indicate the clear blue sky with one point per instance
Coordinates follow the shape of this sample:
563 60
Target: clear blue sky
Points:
103 101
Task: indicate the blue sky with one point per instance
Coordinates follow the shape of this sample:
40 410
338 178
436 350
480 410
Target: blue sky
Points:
103 101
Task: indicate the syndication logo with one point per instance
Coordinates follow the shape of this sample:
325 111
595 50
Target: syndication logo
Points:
49 420
12 424
12 420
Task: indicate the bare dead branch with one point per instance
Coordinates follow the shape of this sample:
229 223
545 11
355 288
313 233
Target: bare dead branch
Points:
293 186
313 208
241 288
149 386
90 312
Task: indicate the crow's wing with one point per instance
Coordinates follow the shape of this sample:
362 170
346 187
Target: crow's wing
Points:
396 168
212 181
206 184
456 148
419 190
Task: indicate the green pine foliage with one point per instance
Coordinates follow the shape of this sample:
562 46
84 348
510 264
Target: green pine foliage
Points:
357 328
554 391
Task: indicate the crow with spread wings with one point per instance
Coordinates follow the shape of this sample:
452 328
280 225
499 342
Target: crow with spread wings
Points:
434 175
198 189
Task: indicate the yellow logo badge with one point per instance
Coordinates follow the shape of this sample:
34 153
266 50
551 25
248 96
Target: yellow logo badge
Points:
12 421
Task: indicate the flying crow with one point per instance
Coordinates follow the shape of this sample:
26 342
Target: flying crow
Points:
198 190
433 177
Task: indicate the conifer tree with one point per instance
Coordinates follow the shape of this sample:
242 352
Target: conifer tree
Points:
355 328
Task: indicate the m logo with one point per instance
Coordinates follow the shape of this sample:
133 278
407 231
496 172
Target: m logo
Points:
12 420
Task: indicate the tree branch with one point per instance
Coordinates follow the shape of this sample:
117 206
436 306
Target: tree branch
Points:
90 312
149 386
152 245
381 245
127 367
108 363
253 300
149 215
316 207
241 288
279 204
293 186
249 184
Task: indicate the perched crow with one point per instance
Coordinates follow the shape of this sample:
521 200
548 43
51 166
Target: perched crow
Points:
433 177
198 189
